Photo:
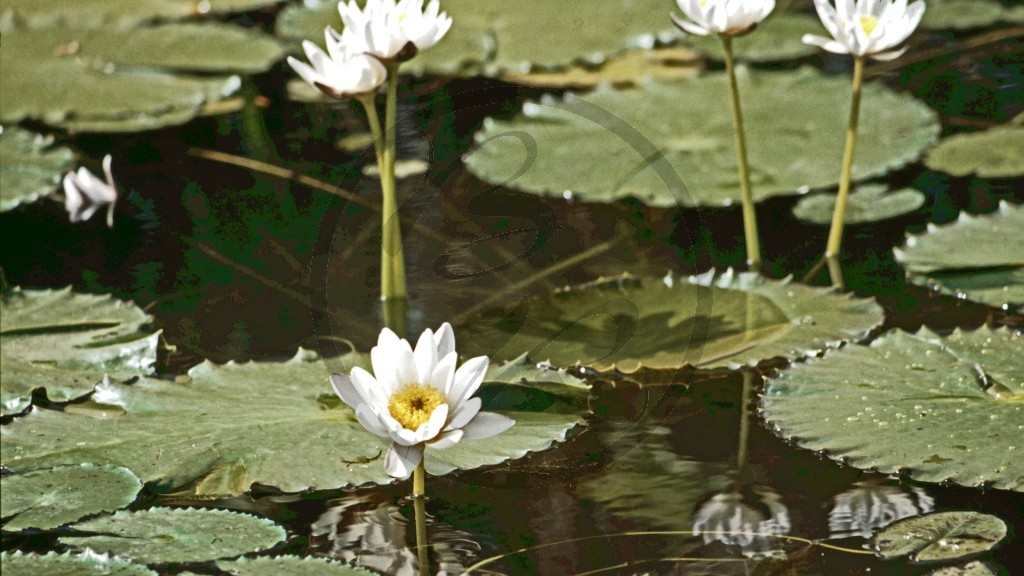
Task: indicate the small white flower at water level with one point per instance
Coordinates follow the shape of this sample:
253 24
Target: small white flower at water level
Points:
392 31
417 399
728 17
867 27
85 193
339 73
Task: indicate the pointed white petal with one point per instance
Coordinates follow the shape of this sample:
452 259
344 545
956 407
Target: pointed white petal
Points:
425 356
447 440
467 379
444 338
371 421
346 390
464 413
431 428
485 425
400 461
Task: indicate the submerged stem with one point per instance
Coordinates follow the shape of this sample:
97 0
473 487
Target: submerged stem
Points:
419 506
749 216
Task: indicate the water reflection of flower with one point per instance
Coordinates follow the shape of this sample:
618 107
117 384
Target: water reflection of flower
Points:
84 193
744 517
870 505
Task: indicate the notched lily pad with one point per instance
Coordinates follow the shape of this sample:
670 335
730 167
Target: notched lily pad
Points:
46 499
977 257
994 153
30 166
290 565
940 537
161 535
935 409
706 321
67 564
868 203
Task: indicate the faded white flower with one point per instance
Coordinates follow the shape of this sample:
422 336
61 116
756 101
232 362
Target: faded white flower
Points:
84 193
339 73
867 27
416 399
729 17
390 30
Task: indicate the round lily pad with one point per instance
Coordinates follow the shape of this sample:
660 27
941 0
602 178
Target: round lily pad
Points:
975 568
30 165
278 424
994 153
977 257
88 564
962 14
121 13
868 203
706 321
939 537
671 143
778 37
935 409
291 565
46 499
162 535
629 68
67 343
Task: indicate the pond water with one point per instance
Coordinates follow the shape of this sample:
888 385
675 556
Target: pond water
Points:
235 264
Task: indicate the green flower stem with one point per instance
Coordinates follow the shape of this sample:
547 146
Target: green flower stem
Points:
392 257
419 505
835 233
749 216
745 401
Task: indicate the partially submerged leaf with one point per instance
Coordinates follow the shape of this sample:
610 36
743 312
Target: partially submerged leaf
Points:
940 537
868 203
290 565
30 166
45 499
67 564
994 153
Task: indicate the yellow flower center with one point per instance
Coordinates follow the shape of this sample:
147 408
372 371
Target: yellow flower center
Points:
868 23
413 405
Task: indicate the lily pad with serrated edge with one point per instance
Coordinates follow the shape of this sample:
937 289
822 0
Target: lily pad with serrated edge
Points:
726 320
935 409
117 13
67 564
30 166
994 153
161 535
290 565
125 79
940 537
275 423
490 37
46 499
671 143
978 257
66 343
777 38
868 203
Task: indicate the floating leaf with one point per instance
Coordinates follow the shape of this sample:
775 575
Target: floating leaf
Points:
66 343
777 38
290 565
671 143
868 203
961 14
633 67
162 535
975 568
981 257
278 424
935 409
939 537
994 153
706 321
119 13
30 166
21 564
46 499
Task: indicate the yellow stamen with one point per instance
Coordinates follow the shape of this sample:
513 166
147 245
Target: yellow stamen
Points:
868 23
413 405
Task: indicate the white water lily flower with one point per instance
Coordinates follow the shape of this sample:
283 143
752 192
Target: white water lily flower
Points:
867 28
390 30
417 398
728 17
339 73
84 193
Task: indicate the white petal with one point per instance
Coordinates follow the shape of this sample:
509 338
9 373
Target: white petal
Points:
441 379
425 356
369 419
826 43
72 197
346 390
368 389
464 413
467 379
892 55
400 461
444 338
431 428
447 440
688 26
485 425
304 71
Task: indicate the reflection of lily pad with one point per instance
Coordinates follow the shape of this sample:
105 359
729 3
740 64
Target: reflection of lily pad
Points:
278 424
290 565
669 143
94 13
30 166
933 408
777 38
705 321
994 153
962 14
21 564
493 36
177 535
66 343
47 499
941 536
868 203
981 257
86 79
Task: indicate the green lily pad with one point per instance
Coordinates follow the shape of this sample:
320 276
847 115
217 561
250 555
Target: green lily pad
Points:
627 69
291 565
975 568
961 14
977 257
67 343
21 564
278 424
117 13
46 499
868 203
777 38
671 143
935 409
489 37
706 321
30 165
940 537
162 535
994 153
127 79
